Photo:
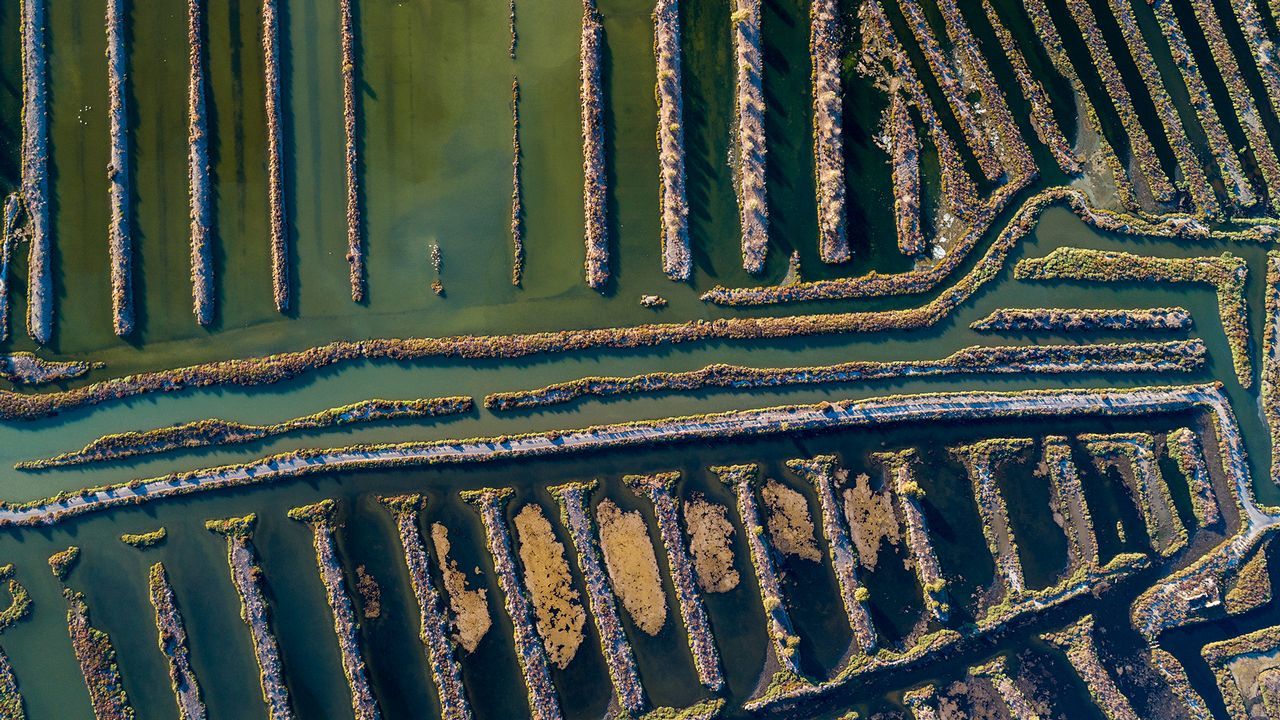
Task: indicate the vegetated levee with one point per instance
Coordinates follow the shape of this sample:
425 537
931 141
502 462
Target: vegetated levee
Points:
355 248
246 575
677 262
743 423
517 192
594 184
1041 108
659 489
120 241
35 170
215 432
1178 355
543 702
1226 274
8 237
1078 643
173 644
275 154
1242 100
24 368
749 108
614 645
97 660
1238 187
283 366
904 159
1080 320
828 130
445 670
11 707
320 516
200 183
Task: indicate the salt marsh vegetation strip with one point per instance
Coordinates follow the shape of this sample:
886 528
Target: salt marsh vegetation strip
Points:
783 640
35 170
970 126
1078 643
1073 320
1068 502
1269 392
828 124
173 644
749 141
11 706
1260 47
1184 446
543 702
907 494
1139 141
355 229
1241 98
904 160
1175 675
1221 655
247 578
8 238
321 517
1194 180
1041 108
120 242
217 432
572 499
517 192
1226 274
200 184
97 660
659 489
1224 154
741 423
275 154
819 471
1014 700
1182 355
595 185
676 260
980 460
446 673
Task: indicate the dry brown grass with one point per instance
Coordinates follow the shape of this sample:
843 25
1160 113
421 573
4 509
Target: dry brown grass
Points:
711 543
633 566
556 605
470 608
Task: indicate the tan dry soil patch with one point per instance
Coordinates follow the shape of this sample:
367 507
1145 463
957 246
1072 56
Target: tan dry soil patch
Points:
871 520
790 525
558 611
633 567
711 544
470 608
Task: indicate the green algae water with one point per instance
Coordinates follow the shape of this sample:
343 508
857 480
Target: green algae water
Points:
435 148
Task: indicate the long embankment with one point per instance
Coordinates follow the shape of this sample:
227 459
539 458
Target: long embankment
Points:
247 576
659 490
97 660
614 645
1078 643
904 161
828 130
1177 355
446 673
733 424
1068 501
980 460
594 183
355 223
1082 320
8 238
1226 274
217 432
120 240
517 192
906 492
784 643
749 175
1184 446
320 517
1269 390
1135 455
677 262
543 702
35 170
819 471
200 183
1237 185
1042 119
173 644
275 154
